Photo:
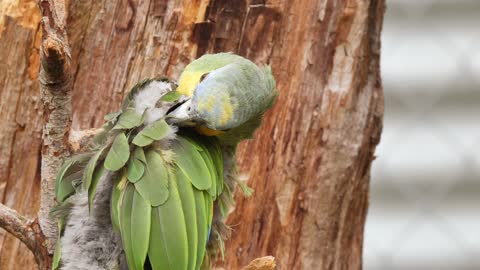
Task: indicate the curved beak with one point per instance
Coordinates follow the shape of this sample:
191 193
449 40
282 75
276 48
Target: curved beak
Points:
181 115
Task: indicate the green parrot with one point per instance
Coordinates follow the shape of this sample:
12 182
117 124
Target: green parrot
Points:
155 185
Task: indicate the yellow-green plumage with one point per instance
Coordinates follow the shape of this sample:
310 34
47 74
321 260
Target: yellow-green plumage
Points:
228 94
193 72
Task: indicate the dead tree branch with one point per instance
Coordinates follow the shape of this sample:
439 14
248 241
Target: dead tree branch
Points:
17 225
55 81
28 231
55 85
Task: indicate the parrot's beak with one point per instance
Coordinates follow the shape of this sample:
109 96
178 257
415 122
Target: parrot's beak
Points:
181 115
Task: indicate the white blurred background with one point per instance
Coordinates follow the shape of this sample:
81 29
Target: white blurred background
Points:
425 190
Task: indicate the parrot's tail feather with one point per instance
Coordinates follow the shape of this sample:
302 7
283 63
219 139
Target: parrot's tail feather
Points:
222 206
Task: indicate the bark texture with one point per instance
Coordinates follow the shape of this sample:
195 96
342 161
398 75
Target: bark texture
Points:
20 121
311 164
55 90
28 232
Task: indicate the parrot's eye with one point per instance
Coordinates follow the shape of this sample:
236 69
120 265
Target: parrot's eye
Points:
203 77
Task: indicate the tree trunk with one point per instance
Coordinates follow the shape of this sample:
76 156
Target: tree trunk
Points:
310 163
20 122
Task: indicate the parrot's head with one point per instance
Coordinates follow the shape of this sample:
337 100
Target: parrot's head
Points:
207 105
226 93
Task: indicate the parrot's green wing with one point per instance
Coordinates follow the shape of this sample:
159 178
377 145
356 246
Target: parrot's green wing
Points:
165 217
163 197
109 152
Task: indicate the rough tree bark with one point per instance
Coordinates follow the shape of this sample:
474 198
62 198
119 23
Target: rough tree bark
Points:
310 168
55 78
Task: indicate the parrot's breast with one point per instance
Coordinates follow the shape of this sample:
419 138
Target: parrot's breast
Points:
216 107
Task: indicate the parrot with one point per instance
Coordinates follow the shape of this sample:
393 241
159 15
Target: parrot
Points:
153 188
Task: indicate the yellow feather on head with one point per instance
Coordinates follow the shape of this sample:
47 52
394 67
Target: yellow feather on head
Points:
188 82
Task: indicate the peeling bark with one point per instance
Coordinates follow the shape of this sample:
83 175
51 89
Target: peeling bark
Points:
27 231
263 263
314 152
311 164
20 123
55 88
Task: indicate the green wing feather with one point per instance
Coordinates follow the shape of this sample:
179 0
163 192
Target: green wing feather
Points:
217 158
187 197
70 173
209 209
58 246
153 186
155 131
168 239
129 119
126 226
116 199
92 175
190 161
63 188
118 154
212 154
140 225
202 225
213 174
136 165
